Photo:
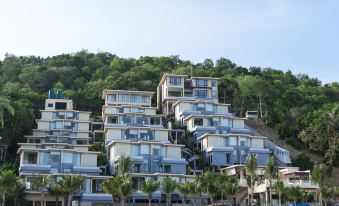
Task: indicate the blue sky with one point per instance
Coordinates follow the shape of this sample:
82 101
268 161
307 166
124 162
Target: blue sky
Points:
302 35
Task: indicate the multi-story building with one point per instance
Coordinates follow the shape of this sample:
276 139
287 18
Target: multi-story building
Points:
173 87
59 146
133 128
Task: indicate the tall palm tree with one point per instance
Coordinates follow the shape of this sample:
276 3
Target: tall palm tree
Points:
125 164
280 188
40 182
17 191
184 190
251 167
118 187
55 190
71 184
328 193
7 180
168 185
231 187
195 191
149 187
270 173
5 106
318 177
210 185
293 193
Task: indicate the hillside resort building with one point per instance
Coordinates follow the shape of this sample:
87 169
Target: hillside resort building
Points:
151 136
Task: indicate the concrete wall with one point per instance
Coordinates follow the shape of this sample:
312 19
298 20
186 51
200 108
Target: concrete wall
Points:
238 124
88 160
84 116
257 143
161 135
43 125
173 152
113 134
83 126
46 115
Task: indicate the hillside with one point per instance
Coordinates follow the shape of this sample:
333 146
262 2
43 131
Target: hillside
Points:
302 110
273 136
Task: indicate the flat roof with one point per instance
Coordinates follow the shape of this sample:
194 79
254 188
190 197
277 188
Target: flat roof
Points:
232 134
143 142
199 101
104 93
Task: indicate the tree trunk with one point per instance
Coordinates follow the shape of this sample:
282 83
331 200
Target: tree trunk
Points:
184 201
4 198
57 200
270 193
149 201
320 197
252 195
168 200
112 200
43 198
248 196
279 199
122 201
69 200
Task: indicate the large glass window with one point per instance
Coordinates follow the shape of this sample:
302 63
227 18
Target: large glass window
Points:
55 157
112 119
175 81
145 99
201 94
198 122
135 98
167 168
123 98
112 97
126 119
214 83
174 94
155 120
201 83
30 158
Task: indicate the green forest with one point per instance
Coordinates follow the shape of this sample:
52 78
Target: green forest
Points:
303 111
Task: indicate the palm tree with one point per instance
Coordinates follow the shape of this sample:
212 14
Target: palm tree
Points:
125 164
293 193
251 167
17 191
328 193
306 195
70 184
40 182
149 187
231 187
270 173
118 187
5 106
195 191
210 185
318 177
7 180
55 190
168 186
184 190
280 188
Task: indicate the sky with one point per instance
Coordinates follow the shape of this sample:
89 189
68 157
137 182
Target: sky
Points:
301 36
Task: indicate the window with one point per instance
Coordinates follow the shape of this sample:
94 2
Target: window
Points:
135 98
174 94
167 169
201 83
200 107
112 97
141 120
198 122
214 83
214 94
55 157
30 158
112 119
201 94
60 105
155 120
228 158
97 186
232 141
127 119
81 142
123 97
156 152
50 105
144 149
145 99
211 159
175 81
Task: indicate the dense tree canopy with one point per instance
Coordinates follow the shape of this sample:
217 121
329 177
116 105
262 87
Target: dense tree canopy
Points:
295 105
